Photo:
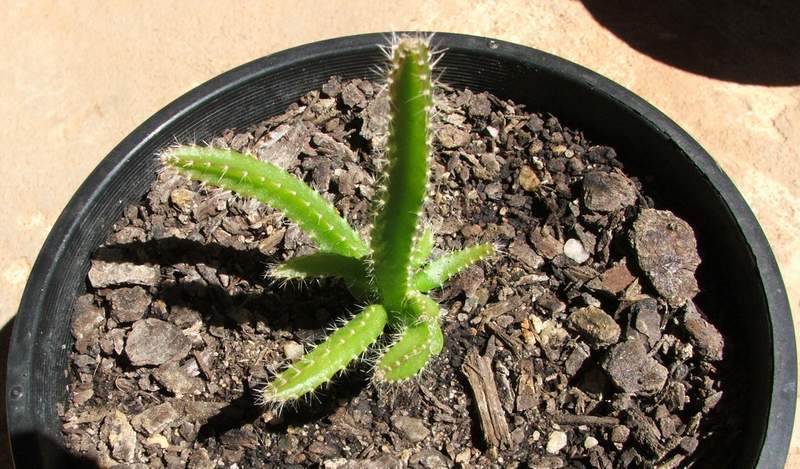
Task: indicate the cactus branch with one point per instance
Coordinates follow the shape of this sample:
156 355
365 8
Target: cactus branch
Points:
274 187
330 357
407 171
417 343
326 264
440 269
422 248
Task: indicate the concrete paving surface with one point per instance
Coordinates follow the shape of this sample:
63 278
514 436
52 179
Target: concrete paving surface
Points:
76 77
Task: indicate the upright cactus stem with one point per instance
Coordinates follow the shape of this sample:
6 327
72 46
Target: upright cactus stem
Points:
407 152
392 272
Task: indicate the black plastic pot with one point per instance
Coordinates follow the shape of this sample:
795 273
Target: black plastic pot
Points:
734 250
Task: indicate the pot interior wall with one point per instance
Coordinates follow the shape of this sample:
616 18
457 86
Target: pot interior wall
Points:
264 88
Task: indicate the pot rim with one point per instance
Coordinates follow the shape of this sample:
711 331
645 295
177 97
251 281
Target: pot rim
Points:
775 446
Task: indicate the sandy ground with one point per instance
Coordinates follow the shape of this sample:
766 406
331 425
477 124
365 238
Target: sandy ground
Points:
75 78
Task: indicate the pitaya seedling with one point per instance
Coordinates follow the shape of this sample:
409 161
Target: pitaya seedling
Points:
391 272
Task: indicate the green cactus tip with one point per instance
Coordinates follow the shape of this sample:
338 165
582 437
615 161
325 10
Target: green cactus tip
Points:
392 272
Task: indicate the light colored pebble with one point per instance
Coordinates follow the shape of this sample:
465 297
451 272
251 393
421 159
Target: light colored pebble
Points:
575 251
528 179
292 350
556 442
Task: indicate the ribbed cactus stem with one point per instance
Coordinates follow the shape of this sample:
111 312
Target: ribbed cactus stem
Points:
330 357
416 343
327 264
440 269
274 187
422 248
407 152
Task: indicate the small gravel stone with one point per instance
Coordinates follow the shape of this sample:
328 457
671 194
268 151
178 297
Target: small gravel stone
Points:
199 411
607 192
689 444
647 320
520 249
451 136
633 370
156 418
590 442
413 428
620 434
574 250
86 319
528 180
595 326
292 350
550 303
352 95
666 250
157 440
704 336
129 304
270 242
427 458
463 457
200 460
121 437
182 199
546 244
82 394
176 380
545 462
479 105
107 274
243 437
575 361
154 342
556 442
613 280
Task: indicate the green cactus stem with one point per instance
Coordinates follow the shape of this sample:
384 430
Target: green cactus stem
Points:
273 186
422 248
330 357
326 264
417 343
437 272
407 152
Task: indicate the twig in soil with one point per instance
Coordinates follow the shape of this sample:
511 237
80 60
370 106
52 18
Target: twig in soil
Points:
478 371
432 398
673 462
515 345
545 349
567 419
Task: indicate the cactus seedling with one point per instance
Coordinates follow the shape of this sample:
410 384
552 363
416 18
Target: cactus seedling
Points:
391 273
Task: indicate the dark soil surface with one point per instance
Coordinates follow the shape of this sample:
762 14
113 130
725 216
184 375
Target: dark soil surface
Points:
579 346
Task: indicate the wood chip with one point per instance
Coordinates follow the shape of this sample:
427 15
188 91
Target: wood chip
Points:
478 371
568 419
527 395
515 345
